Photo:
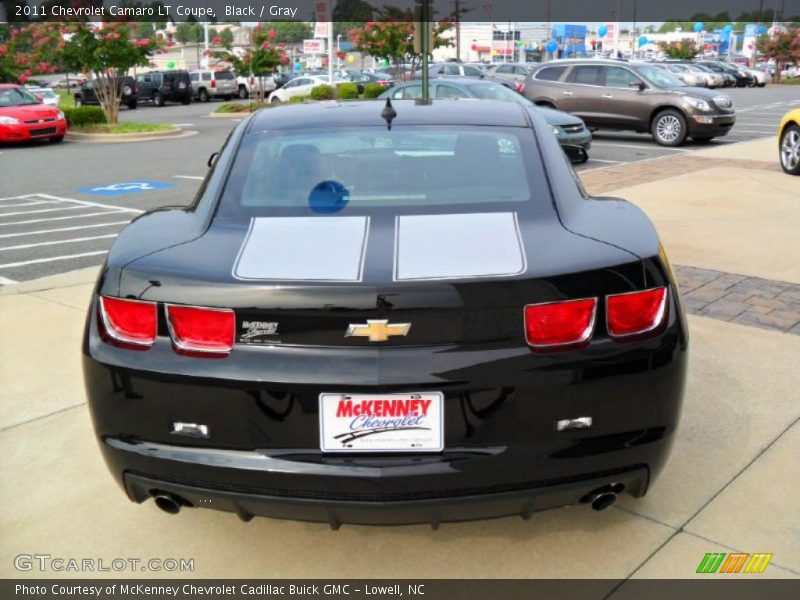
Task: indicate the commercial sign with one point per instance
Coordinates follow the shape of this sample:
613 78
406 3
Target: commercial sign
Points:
313 46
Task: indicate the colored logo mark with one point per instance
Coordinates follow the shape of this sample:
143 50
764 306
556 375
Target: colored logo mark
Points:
734 562
126 187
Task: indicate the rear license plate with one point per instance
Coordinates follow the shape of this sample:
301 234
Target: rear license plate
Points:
381 422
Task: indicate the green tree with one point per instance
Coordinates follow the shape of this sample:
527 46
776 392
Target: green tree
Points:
107 53
290 32
393 41
226 37
683 49
783 48
261 58
27 50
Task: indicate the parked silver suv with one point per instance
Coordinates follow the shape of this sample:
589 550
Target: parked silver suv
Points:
637 96
207 84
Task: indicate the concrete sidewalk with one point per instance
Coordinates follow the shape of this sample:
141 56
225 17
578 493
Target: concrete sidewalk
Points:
731 484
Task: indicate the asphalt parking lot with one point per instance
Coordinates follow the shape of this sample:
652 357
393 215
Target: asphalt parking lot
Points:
115 182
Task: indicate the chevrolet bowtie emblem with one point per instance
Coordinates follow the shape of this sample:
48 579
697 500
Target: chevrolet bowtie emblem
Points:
378 330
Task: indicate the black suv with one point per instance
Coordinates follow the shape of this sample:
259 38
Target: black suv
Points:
128 90
160 87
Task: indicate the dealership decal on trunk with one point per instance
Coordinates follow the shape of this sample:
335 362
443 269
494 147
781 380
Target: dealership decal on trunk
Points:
389 423
256 331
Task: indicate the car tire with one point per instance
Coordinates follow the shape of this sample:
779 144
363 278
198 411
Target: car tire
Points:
158 99
243 93
790 150
762 84
133 104
546 105
275 100
702 139
203 96
669 128
78 101
186 101
57 139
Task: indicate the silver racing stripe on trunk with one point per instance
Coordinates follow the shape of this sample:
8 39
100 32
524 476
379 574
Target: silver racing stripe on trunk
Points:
303 249
458 246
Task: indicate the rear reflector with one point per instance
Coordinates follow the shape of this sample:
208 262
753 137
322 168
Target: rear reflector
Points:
556 326
128 323
204 332
636 314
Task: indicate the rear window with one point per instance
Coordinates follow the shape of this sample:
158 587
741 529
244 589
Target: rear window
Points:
370 169
223 75
550 73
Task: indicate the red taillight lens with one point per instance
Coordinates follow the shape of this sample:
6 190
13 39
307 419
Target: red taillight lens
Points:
252 81
205 332
213 83
560 325
635 314
520 87
128 323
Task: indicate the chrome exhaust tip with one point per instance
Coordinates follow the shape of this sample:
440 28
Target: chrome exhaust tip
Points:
168 503
604 501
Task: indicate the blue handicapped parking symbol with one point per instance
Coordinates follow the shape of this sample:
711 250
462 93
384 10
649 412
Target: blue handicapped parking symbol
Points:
126 187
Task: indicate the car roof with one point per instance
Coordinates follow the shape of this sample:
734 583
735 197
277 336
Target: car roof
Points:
457 81
368 113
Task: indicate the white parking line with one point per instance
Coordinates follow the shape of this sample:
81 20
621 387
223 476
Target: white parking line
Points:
183 124
96 214
189 177
41 210
59 230
95 204
601 160
6 280
28 204
642 147
51 259
53 243
761 133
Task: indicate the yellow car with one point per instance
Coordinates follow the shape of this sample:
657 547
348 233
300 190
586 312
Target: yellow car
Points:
789 142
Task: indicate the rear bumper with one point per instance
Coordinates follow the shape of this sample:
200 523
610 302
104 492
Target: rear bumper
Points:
524 502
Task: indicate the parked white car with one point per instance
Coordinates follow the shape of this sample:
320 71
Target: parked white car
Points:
249 85
48 95
761 78
300 86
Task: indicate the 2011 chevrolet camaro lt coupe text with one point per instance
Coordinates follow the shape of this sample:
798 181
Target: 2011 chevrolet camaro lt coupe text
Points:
387 314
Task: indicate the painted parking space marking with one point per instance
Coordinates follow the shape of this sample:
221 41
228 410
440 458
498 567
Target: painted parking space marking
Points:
126 187
189 177
644 146
56 242
51 259
41 210
33 246
61 229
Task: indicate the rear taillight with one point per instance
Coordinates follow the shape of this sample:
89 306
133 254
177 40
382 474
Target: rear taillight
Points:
252 81
633 315
213 83
130 324
383 83
520 87
203 332
554 326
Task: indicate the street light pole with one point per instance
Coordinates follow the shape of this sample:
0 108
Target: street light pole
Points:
330 44
338 50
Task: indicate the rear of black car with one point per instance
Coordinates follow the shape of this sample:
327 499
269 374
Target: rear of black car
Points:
554 360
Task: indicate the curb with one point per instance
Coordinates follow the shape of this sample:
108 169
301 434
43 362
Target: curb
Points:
75 136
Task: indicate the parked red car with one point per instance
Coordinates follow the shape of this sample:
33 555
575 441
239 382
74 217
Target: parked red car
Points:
24 117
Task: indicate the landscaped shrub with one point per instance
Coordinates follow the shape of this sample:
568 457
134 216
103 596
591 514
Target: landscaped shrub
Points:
348 91
373 90
233 107
322 92
297 99
84 115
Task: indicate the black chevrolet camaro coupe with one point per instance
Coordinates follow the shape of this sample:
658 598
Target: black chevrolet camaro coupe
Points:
387 314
